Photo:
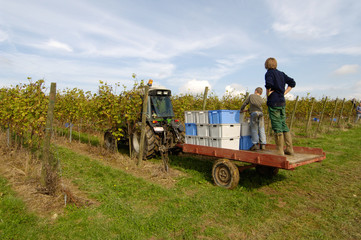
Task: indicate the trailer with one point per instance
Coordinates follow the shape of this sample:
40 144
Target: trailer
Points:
225 170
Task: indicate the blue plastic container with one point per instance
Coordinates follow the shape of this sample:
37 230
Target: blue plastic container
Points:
191 129
245 143
223 116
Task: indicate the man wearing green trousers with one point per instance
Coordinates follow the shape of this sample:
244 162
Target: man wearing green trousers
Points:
276 90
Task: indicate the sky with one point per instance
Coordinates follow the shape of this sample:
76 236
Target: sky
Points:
183 45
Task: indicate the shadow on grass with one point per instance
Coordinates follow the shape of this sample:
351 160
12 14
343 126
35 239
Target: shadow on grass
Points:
249 178
202 165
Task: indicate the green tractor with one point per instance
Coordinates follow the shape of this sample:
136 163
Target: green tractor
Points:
163 133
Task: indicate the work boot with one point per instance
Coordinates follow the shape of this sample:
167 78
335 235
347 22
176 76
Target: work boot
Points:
254 147
288 142
262 146
279 143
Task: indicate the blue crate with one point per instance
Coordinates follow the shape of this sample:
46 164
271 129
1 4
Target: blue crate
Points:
191 129
245 143
223 116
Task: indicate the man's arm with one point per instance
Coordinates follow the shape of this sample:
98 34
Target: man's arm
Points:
245 104
288 90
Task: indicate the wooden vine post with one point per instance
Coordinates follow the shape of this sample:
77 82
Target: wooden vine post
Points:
309 117
321 117
144 118
339 119
205 98
350 113
334 111
49 178
129 140
8 136
293 113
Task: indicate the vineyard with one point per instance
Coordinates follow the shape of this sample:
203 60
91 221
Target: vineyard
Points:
107 196
23 110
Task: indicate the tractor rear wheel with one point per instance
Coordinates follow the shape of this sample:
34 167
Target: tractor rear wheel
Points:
149 143
225 174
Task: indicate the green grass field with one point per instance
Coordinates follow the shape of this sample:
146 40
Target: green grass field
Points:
316 201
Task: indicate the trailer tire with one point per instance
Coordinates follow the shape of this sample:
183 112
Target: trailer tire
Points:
266 171
149 143
225 174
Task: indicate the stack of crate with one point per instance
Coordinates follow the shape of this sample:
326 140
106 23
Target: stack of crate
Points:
197 130
245 141
224 128
217 128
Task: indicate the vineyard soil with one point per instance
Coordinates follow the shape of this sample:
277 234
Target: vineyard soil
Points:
23 170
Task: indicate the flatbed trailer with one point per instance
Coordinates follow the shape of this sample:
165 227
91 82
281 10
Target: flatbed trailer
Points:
226 173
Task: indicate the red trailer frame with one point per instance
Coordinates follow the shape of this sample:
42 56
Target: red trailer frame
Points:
265 161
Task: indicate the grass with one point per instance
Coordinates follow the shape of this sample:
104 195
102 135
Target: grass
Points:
316 201
79 136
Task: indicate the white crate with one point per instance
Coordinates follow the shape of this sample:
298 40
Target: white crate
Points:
203 141
229 143
201 117
245 129
196 117
189 117
190 139
224 130
202 130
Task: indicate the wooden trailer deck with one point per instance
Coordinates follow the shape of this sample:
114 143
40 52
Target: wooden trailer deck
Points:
302 156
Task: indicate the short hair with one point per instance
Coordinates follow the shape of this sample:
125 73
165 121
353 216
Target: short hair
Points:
259 90
271 63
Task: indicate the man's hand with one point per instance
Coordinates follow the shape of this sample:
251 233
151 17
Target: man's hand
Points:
269 91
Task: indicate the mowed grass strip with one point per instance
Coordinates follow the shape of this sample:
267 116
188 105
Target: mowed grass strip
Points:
317 201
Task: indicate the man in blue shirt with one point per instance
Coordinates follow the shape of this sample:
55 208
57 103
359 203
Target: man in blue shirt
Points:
276 82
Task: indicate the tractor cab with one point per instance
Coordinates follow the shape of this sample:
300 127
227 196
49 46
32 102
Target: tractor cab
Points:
159 104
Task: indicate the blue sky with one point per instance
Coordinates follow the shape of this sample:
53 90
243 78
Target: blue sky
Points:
183 45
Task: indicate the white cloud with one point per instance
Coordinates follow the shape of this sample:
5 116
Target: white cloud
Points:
52 44
235 89
350 50
290 96
231 63
195 86
155 70
356 91
71 73
347 69
58 45
306 19
3 36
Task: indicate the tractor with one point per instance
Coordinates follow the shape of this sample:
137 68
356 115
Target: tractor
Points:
163 132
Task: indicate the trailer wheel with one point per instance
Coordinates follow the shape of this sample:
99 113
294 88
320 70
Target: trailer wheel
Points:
225 174
109 141
266 170
149 142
